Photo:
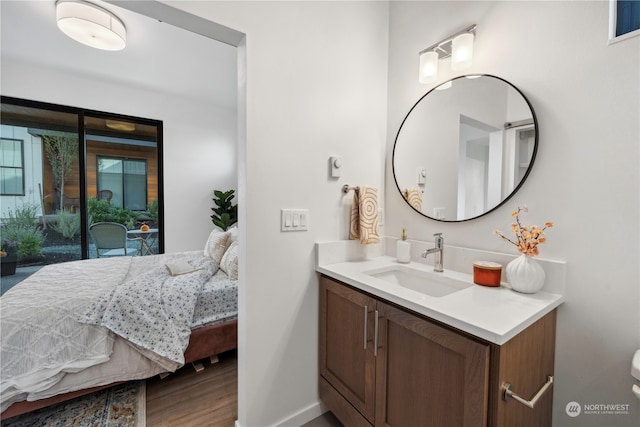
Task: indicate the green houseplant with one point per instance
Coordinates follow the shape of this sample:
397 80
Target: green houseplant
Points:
102 211
226 213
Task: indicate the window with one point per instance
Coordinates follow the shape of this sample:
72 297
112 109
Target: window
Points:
11 167
625 16
130 149
126 179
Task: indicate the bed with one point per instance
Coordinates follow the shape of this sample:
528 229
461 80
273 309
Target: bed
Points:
76 327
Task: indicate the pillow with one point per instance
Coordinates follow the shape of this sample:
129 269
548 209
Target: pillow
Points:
216 245
233 233
229 263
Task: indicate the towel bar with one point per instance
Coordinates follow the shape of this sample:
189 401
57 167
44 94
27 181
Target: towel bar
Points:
508 393
346 188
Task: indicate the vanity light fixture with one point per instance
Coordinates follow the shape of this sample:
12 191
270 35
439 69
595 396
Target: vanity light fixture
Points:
458 47
90 24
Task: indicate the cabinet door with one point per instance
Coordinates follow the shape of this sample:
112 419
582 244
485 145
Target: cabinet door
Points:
427 375
525 362
347 361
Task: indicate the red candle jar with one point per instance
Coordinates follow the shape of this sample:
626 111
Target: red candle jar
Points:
487 273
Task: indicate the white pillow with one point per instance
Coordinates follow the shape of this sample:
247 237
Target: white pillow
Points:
229 262
233 232
216 245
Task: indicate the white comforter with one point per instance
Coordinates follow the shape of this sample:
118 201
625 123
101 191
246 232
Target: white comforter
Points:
65 319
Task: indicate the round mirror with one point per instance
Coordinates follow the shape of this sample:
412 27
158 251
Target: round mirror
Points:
465 148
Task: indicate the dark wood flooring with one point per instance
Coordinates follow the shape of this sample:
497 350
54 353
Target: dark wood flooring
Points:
187 398
208 398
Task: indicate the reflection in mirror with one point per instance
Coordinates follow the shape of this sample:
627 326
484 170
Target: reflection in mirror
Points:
464 151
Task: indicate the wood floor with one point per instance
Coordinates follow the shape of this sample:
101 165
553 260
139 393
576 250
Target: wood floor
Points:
187 398
208 398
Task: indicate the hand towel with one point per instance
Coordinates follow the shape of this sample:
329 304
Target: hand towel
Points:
414 197
364 216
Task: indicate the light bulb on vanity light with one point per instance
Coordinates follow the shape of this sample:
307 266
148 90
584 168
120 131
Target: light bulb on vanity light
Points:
462 51
458 47
428 66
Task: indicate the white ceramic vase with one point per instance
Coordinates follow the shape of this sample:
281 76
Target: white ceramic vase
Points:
525 274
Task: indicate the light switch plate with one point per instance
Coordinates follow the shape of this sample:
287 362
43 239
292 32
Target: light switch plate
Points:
294 220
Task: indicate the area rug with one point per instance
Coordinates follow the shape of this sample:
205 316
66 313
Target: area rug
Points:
120 406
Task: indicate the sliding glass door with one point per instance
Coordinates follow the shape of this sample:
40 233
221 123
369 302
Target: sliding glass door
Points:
62 169
40 183
123 166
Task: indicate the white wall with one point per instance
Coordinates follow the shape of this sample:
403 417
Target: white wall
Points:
33 161
199 139
585 179
316 86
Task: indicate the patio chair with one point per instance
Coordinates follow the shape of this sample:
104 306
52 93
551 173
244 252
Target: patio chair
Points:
105 195
110 237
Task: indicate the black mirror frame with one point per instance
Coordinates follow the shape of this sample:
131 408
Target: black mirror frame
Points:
515 190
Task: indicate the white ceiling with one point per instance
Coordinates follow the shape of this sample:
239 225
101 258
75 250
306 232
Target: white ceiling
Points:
158 56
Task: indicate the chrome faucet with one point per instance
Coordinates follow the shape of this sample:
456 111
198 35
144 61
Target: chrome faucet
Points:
438 250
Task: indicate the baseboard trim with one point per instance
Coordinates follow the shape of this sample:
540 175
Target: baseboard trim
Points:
299 418
303 416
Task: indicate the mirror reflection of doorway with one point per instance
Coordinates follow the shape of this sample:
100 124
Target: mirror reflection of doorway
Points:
479 168
491 163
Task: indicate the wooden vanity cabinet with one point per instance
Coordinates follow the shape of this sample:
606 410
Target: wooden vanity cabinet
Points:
346 349
406 370
427 375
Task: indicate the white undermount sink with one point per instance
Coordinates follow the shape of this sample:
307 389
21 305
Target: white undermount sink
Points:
428 283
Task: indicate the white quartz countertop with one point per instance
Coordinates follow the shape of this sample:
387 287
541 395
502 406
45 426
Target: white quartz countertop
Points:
493 314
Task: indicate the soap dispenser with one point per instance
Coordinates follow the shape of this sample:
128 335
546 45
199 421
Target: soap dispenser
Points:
403 250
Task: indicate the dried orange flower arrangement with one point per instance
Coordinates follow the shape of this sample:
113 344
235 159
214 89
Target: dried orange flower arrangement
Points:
528 236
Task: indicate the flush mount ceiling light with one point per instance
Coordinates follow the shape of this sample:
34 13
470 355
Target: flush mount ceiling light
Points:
90 25
458 47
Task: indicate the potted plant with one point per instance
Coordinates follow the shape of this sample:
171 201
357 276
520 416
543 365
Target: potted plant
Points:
226 214
9 257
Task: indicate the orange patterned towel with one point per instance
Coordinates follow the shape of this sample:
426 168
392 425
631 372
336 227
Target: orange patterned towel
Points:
414 197
364 216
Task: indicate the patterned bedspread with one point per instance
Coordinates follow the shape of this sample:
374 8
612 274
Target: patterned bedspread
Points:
217 301
64 318
153 311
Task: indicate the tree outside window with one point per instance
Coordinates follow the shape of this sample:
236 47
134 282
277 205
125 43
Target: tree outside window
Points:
61 151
